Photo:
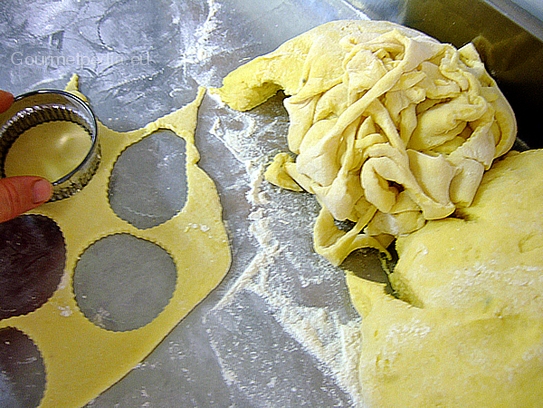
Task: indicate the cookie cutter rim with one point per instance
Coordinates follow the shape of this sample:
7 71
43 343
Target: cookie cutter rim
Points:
47 105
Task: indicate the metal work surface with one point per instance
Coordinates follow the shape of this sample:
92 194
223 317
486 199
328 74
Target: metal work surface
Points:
272 333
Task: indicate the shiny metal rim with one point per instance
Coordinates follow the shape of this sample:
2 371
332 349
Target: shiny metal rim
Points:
47 105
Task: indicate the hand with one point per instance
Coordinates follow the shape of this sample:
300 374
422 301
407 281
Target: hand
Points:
22 193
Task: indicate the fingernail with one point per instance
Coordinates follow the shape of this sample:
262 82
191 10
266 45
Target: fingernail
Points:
41 191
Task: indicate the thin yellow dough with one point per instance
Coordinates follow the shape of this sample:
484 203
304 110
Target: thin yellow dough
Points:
81 359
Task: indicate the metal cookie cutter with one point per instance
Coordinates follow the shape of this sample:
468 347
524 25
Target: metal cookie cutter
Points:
48 105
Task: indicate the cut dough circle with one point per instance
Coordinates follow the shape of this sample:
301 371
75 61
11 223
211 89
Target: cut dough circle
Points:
67 145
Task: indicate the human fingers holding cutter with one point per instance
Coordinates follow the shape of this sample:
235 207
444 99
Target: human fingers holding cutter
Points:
21 193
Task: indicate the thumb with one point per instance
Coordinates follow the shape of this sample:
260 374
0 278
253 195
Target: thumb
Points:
6 99
22 193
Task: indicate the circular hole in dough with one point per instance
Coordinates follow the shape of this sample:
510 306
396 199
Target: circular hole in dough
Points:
32 260
122 282
22 371
148 184
144 26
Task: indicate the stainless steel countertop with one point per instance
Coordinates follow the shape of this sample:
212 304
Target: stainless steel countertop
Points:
242 346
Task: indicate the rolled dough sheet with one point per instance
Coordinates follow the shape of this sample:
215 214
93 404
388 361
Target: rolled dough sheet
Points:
82 359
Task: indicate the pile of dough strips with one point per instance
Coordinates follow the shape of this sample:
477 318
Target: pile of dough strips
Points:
390 127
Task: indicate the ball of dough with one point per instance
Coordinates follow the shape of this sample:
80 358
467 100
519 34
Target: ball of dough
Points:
390 127
467 330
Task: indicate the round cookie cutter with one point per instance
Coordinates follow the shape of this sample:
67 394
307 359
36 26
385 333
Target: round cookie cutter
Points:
48 105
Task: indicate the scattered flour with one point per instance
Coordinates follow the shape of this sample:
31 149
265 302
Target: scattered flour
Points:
275 217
